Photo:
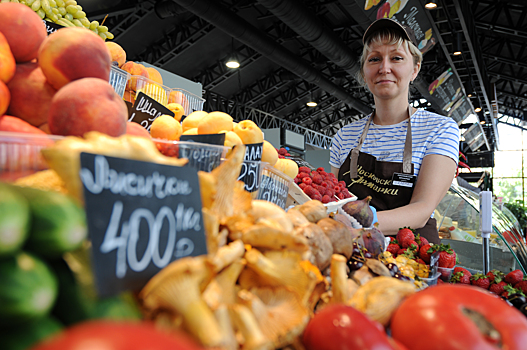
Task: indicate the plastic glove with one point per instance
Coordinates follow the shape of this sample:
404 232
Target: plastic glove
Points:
374 214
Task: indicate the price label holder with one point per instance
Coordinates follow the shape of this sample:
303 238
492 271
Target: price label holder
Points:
274 187
52 27
145 110
141 216
211 139
204 152
252 167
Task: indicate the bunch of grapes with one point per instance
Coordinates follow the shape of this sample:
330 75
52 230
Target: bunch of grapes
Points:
358 257
67 13
322 186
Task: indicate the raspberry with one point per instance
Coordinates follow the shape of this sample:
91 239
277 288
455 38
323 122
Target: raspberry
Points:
324 184
341 195
331 175
326 199
336 189
304 169
342 183
318 179
319 169
334 180
302 174
323 173
297 180
317 197
309 190
307 181
302 186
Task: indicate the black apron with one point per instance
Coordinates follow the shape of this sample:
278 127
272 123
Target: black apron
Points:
366 176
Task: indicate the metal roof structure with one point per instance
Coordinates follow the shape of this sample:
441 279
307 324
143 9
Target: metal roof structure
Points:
292 51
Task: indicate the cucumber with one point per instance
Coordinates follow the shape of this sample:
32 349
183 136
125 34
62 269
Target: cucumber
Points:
58 223
28 289
14 220
28 334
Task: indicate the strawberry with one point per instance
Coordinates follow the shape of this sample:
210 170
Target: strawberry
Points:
401 251
465 271
522 285
421 240
393 248
445 260
497 288
405 233
514 277
423 253
420 261
392 239
509 290
480 280
447 256
460 277
495 276
408 243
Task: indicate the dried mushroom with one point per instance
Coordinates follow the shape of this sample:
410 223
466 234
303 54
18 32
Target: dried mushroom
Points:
227 254
313 210
222 289
246 323
319 243
339 280
339 235
262 236
297 218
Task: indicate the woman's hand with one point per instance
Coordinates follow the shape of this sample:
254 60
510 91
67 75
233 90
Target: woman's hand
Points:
434 180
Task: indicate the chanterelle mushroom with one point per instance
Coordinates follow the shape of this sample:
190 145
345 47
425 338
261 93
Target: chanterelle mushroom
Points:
178 287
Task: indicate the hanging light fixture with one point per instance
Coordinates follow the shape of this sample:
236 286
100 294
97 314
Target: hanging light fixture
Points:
469 89
311 102
458 44
232 61
477 109
430 4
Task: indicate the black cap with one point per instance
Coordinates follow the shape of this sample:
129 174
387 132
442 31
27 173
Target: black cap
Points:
406 32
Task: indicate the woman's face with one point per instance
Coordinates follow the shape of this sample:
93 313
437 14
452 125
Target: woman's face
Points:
388 70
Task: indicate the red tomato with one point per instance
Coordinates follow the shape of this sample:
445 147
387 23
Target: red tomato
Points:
341 327
108 335
442 317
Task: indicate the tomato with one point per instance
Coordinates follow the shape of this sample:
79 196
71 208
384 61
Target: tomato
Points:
341 327
111 335
445 316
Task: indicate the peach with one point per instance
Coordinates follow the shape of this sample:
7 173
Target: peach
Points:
117 53
5 96
249 132
23 29
7 60
166 127
192 120
154 75
177 109
73 53
288 167
214 122
176 96
88 104
133 128
30 94
269 153
136 70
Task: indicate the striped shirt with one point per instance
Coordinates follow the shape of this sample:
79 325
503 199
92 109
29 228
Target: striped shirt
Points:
431 134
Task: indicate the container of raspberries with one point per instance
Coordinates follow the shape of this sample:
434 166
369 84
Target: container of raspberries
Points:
320 185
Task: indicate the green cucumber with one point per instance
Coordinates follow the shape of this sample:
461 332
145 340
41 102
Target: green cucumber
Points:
14 220
58 223
28 289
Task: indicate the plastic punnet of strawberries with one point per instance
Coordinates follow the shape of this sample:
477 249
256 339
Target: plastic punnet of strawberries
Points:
320 185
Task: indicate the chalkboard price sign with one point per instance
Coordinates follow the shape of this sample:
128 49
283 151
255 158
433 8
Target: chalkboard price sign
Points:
145 110
273 189
52 27
251 167
141 216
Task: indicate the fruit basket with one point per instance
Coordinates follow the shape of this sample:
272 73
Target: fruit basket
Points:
118 79
274 186
202 156
20 154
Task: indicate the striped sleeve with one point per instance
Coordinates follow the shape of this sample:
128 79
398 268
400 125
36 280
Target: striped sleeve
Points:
334 157
445 140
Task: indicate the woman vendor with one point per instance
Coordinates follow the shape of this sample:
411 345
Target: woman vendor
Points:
404 158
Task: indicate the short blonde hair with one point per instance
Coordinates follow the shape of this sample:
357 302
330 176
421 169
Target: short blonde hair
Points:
387 36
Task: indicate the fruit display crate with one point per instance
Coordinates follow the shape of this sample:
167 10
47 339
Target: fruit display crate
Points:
118 79
162 94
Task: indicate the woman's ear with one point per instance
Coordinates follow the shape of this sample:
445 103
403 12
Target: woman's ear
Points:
417 68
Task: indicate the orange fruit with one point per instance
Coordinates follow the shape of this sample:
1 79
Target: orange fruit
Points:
154 75
269 153
215 122
192 120
249 132
193 131
166 127
177 109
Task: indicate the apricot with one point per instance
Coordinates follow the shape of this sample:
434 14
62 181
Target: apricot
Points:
23 29
269 153
31 94
117 53
73 53
193 131
287 166
137 71
249 132
133 128
7 60
5 96
214 122
231 139
177 96
154 75
166 127
192 120
88 104
177 109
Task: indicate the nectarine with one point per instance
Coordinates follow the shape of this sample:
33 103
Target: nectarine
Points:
137 71
30 94
73 53
214 122
88 104
249 132
7 60
23 29
117 53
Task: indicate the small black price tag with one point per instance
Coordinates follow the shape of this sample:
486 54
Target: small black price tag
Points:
211 139
52 27
203 155
145 110
251 167
273 189
141 216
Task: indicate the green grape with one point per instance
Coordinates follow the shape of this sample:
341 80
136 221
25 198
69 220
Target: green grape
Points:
72 9
62 11
96 31
64 22
77 23
103 36
36 5
109 35
79 14
85 22
60 3
52 3
55 10
41 13
2 1
94 25
29 2
103 29
68 16
15 1
71 2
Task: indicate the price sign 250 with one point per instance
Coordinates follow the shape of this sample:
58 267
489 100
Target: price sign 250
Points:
250 175
126 243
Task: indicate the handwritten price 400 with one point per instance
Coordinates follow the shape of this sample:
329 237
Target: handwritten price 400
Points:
182 219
